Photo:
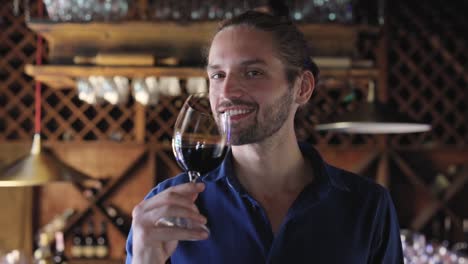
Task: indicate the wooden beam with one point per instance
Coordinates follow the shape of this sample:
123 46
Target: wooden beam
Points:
360 167
382 176
73 71
140 123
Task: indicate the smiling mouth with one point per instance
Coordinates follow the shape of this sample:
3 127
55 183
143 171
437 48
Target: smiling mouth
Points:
236 114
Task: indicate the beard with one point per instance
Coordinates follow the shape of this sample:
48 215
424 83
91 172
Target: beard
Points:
267 122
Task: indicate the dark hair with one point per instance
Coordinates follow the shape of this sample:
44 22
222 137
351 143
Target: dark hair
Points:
289 40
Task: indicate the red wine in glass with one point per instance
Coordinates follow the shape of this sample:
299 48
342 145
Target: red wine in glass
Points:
200 143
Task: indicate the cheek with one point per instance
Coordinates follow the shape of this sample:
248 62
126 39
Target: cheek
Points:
213 99
213 87
265 89
259 86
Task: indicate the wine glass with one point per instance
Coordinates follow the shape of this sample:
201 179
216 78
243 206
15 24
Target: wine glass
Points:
200 143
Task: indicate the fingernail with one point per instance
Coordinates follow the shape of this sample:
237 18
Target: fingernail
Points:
203 220
204 235
200 218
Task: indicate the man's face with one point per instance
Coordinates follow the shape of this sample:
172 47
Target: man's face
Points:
248 81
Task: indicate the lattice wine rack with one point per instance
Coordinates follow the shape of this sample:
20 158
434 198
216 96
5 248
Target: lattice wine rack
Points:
428 70
426 80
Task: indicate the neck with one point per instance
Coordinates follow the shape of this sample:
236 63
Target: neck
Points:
274 166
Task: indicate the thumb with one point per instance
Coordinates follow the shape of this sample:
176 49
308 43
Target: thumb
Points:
200 188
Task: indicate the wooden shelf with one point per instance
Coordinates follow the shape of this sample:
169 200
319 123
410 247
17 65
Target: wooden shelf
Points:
96 261
165 39
170 39
63 76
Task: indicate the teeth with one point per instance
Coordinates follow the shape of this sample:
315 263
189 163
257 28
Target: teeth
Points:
237 112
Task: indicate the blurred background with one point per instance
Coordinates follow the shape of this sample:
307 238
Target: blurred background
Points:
109 77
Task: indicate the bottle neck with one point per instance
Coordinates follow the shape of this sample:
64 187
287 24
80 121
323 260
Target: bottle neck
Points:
465 229
59 242
103 229
90 229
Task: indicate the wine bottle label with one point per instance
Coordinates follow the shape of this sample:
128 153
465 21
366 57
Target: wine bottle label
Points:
88 251
77 251
101 251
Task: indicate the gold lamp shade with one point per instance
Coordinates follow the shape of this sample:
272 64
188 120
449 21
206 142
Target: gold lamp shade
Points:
373 117
37 168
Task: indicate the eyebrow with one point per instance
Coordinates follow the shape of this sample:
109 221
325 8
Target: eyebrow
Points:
244 63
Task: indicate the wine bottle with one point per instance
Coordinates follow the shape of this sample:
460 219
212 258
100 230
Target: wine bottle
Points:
77 243
89 242
447 230
440 185
122 221
437 228
169 61
465 229
117 59
57 223
102 243
59 256
91 187
43 255
461 248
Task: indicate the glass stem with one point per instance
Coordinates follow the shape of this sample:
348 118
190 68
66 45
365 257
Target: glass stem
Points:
193 176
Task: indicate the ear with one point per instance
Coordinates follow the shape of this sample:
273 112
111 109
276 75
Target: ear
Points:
306 88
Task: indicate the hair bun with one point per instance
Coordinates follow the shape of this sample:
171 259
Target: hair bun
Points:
279 8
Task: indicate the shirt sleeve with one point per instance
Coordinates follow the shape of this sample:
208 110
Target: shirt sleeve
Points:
387 247
128 247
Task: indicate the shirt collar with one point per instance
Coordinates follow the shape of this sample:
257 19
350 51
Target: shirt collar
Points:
326 175
226 169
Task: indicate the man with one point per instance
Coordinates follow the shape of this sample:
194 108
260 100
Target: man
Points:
272 200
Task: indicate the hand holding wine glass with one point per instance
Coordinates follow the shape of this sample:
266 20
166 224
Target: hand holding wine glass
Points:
200 140
154 242
200 144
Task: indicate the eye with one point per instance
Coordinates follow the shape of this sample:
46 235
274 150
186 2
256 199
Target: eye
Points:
253 73
216 75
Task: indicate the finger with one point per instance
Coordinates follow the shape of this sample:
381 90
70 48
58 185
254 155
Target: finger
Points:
174 211
176 233
171 198
190 190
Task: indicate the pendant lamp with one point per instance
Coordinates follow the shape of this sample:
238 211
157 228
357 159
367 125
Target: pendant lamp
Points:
40 166
373 118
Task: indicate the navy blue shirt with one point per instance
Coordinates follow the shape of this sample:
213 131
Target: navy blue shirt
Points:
338 218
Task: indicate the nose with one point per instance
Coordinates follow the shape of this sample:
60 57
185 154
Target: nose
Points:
231 86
